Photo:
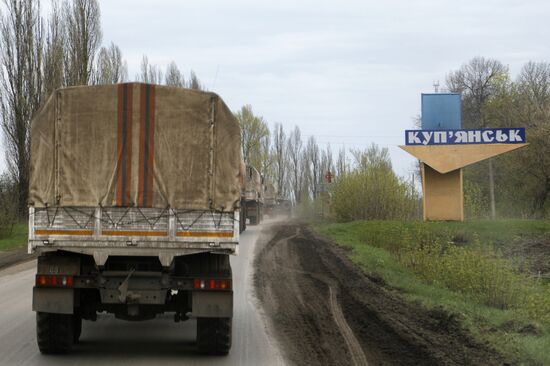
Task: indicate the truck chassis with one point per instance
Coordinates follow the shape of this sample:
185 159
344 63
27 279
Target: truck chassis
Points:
134 263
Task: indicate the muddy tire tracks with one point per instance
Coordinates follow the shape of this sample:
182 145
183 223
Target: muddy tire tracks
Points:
323 310
356 352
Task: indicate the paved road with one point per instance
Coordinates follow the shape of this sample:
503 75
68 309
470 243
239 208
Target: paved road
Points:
155 342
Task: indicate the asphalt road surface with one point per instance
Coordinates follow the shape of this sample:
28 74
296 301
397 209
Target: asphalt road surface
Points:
161 341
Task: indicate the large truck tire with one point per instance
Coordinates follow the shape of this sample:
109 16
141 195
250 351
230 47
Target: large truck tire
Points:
54 332
214 335
77 328
254 210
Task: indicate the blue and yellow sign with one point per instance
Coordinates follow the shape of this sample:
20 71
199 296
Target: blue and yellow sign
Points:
443 149
465 137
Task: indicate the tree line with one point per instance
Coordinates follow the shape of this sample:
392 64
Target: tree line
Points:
511 185
39 54
362 184
515 184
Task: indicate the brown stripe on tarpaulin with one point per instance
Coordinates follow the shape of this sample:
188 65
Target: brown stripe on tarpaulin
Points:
146 145
124 149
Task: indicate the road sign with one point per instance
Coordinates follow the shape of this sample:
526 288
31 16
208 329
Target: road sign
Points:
465 137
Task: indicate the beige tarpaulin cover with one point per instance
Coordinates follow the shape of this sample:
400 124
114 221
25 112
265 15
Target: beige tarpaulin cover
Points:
270 191
253 180
135 145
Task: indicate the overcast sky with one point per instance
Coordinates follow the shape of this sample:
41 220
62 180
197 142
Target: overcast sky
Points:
348 72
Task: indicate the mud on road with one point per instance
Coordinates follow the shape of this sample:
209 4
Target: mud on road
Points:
326 311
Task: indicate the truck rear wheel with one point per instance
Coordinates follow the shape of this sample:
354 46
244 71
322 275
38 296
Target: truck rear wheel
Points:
54 332
77 328
214 335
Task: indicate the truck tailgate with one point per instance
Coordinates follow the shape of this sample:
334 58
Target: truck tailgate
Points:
104 232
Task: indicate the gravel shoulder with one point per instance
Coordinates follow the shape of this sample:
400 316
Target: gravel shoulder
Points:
324 310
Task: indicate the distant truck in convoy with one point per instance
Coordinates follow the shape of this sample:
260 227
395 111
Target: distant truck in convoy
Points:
253 197
270 198
243 215
134 210
284 207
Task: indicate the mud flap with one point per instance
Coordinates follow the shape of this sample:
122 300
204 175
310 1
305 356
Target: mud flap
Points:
53 300
212 304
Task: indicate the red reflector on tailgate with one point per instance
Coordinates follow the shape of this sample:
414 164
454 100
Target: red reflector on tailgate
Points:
54 281
211 284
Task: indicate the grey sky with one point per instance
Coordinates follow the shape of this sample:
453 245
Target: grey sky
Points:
348 72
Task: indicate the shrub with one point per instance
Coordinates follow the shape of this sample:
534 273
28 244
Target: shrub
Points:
372 191
8 206
438 255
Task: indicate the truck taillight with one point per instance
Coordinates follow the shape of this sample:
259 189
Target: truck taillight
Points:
54 281
211 284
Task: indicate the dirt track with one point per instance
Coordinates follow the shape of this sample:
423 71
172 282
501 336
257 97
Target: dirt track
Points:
325 311
14 256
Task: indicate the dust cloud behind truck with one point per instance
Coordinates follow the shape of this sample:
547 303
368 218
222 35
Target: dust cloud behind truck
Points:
134 209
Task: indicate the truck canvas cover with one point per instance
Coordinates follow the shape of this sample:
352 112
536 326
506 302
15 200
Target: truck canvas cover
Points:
253 184
135 145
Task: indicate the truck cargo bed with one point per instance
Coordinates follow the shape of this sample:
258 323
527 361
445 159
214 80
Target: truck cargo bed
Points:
104 232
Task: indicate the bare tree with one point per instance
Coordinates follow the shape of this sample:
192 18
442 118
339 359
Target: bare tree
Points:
326 162
534 89
533 111
83 38
194 82
341 163
149 73
111 68
314 166
294 149
21 51
174 77
54 51
279 155
477 81
265 160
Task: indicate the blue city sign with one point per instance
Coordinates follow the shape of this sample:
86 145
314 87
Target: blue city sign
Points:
465 137
441 111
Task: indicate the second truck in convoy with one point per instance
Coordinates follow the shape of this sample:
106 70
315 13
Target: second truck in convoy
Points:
135 194
253 196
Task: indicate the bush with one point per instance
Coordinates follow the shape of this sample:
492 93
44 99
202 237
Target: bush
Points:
438 256
8 206
372 191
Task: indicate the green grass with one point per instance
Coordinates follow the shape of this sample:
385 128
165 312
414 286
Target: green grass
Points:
17 239
456 266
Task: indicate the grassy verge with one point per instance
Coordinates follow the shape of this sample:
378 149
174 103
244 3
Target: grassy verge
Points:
17 239
459 266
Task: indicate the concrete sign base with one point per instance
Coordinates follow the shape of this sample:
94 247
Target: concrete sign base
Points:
442 175
443 198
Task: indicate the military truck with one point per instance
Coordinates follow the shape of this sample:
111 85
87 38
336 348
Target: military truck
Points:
253 197
284 207
134 210
270 199
243 214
